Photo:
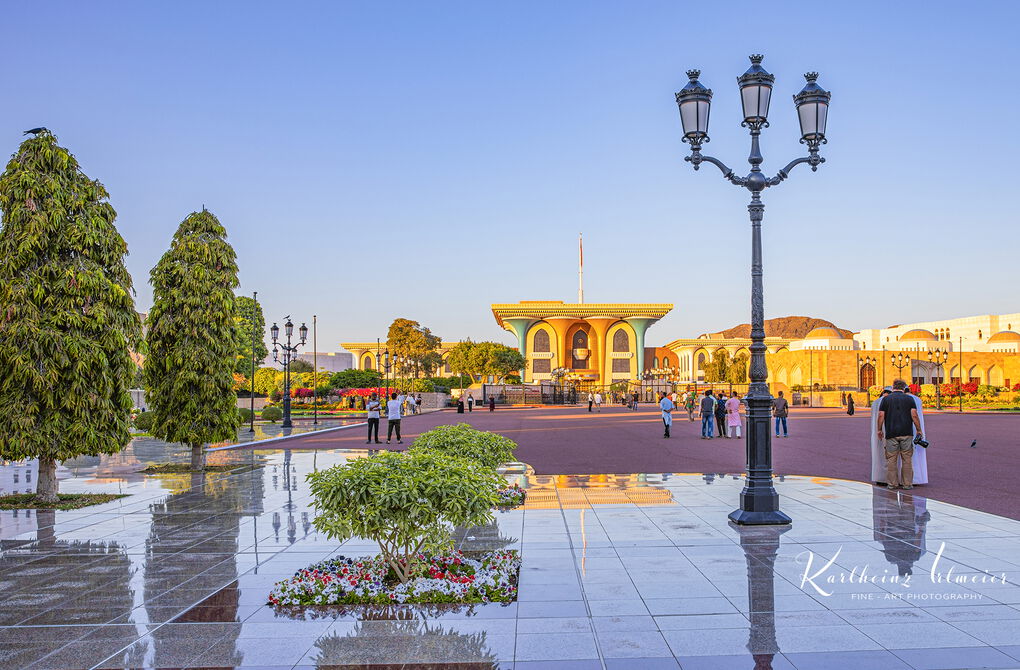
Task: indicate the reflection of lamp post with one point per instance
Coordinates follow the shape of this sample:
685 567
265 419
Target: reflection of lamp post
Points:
289 352
760 551
759 502
939 358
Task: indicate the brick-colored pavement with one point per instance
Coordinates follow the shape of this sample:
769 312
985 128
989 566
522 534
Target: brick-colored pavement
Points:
823 442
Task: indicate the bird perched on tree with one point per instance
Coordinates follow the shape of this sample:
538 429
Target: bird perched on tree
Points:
36 131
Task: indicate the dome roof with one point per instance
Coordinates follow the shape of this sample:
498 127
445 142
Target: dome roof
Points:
824 333
916 334
1004 336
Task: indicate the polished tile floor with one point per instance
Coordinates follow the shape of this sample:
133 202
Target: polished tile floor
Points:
619 571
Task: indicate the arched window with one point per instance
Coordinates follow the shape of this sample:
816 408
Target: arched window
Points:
665 361
540 342
655 361
621 341
366 362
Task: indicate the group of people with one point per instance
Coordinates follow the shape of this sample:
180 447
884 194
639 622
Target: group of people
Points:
714 410
398 405
469 402
595 400
898 445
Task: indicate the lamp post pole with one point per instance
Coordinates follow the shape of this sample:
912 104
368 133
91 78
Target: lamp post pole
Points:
759 502
938 357
289 350
315 370
961 375
899 361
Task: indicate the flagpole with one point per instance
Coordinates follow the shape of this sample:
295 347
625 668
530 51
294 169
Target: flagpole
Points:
580 269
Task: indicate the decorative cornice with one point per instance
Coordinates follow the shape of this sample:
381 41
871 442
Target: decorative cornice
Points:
580 311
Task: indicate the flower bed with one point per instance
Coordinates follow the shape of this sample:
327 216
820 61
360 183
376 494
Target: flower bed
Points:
450 578
511 496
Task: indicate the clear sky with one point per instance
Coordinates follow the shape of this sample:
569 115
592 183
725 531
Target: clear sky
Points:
424 159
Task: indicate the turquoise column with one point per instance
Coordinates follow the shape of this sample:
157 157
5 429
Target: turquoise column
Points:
640 325
521 326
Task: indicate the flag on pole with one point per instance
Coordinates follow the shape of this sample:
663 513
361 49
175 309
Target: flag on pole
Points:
580 269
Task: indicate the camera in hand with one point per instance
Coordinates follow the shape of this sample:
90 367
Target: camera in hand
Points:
918 440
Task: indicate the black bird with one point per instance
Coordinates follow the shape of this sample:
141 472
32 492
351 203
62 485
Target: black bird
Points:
973 444
36 131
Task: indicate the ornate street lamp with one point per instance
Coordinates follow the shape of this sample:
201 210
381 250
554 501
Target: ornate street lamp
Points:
759 502
939 358
899 361
289 352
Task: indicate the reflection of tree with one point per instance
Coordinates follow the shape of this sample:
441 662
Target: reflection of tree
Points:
760 544
899 522
425 642
192 533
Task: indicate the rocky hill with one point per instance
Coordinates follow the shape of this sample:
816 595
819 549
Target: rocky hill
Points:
787 327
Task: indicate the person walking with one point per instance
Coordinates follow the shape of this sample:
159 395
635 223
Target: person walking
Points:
720 414
598 401
412 405
690 398
471 403
460 405
897 423
393 418
781 410
666 405
850 404
707 414
373 407
492 403
634 400
733 416
417 404
591 401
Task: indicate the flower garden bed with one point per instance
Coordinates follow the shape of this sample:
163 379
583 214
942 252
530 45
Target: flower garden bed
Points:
511 496
66 501
450 578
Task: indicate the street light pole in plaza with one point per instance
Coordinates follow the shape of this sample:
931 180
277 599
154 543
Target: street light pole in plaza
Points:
899 361
939 358
759 502
289 350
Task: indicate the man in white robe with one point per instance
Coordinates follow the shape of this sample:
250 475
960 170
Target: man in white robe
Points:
920 461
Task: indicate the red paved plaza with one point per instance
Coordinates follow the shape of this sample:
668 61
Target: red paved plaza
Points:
822 442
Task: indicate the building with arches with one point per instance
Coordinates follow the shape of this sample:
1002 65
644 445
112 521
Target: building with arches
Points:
598 343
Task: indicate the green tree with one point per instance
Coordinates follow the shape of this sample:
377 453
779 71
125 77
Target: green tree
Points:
461 358
498 360
355 379
736 372
67 314
191 338
266 380
298 365
250 324
413 341
718 368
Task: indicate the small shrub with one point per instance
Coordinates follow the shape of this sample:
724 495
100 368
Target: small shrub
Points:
488 449
407 502
272 414
244 415
143 422
928 390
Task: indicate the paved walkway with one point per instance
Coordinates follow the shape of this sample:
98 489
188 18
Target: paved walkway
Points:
823 442
619 572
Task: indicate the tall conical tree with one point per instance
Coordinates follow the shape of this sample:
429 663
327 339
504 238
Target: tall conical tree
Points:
192 338
67 314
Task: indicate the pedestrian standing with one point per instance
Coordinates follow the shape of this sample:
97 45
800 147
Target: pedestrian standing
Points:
850 404
412 405
720 414
897 421
460 405
417 403
373 407
707 413
492 403
471 403
666 405
634 400
393 418
591 400
780 410
598 401
733 416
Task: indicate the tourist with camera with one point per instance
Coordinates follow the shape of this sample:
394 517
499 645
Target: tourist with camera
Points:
897 422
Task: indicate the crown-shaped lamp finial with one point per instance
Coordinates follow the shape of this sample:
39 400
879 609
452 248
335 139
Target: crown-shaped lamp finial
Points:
812 77
693 74
757 58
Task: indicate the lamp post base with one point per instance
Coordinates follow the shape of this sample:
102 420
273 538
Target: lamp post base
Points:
749 518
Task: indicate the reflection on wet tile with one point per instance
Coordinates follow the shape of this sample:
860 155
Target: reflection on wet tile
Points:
951 659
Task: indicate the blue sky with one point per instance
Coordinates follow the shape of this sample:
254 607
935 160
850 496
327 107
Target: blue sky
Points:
424 159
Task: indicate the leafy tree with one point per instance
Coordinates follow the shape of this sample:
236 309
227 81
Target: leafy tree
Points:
67 314
299 365
412 341
461 358
266 380
251 324
717 369
498 360
355 379
736 372
407 502
191 338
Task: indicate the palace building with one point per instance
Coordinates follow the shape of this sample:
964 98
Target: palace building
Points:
597 343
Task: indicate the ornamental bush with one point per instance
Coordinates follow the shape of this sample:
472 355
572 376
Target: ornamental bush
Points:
272 414
407 502
488 449
143 421
244 415
928 390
